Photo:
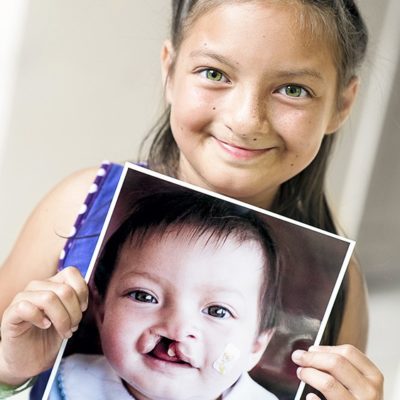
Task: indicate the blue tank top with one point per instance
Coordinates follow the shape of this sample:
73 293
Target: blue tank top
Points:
82 240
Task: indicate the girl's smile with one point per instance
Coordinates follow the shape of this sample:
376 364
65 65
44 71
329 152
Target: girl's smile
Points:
238 152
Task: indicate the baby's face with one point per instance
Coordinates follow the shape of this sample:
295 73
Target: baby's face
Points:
174 306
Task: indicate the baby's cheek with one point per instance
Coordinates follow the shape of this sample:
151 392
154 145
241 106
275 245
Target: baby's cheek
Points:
115 343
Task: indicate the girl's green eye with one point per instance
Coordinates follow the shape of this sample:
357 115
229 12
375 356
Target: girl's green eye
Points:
214 75
142 297
294 91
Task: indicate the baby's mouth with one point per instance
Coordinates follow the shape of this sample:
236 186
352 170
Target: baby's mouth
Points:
166 350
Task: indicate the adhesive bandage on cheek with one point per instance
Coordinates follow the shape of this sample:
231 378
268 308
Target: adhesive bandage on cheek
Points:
227 359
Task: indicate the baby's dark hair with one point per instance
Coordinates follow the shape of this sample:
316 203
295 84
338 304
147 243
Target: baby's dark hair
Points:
172 210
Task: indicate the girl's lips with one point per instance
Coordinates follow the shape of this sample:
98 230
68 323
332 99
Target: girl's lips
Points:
241 152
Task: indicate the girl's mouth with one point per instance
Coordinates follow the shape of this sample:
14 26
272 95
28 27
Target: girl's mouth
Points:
242 153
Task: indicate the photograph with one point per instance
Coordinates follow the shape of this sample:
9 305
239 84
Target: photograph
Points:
192 287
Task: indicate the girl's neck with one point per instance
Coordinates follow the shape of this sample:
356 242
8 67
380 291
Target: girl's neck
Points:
262 200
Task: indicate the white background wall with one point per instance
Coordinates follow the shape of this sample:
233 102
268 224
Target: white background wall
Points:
79 83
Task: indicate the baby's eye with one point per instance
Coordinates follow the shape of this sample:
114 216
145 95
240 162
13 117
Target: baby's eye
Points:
218 312
143 297
295 91
214 75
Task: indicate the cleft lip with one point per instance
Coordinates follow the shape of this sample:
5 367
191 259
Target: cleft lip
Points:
169 351
176 349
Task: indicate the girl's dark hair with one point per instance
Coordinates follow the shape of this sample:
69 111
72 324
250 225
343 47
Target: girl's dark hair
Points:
168 211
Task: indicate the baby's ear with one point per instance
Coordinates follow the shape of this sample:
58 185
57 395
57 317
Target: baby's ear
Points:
167 62
98 305
260 344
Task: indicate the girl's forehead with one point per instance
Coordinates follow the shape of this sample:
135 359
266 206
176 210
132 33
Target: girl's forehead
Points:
262 37
314 23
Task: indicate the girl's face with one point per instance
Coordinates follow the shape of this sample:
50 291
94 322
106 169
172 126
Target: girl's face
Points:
173 306
252 96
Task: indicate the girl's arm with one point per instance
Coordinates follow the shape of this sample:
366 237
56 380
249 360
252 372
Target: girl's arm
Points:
36 251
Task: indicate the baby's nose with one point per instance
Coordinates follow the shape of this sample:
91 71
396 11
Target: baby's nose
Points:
178 326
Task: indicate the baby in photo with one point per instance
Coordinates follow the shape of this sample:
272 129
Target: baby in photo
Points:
185 292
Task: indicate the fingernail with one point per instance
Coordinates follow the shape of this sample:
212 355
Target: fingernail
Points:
298 372
68 334
46 323
75 328
313 348
297 355
84 307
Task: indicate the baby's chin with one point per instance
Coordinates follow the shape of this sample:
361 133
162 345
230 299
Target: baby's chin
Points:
176 389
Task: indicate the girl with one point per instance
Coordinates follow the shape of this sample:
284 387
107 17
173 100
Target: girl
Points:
256 90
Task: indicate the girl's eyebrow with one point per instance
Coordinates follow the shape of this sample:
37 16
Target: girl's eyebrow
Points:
214 56
288 74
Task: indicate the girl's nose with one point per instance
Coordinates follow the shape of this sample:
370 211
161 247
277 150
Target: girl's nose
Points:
247 113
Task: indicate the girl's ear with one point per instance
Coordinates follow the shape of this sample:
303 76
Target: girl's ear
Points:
259 346
345 104
167 61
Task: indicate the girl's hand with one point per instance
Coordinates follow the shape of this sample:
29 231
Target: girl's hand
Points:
37 321
339 372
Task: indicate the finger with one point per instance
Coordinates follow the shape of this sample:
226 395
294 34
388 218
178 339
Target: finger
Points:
342 370
20 316
354 355
52 307
324 383
73 277
312 396
65 293
335 364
